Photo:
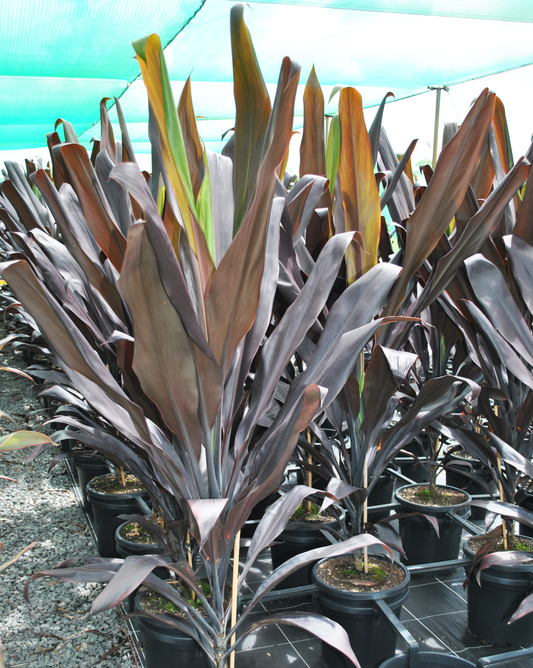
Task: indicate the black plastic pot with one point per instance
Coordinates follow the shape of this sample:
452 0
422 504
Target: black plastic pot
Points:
380 494
419 539
371 637
455 479
165 646
68 444
429 660
296 541
491 605
527 503
106 509
412 469
87 468
127 548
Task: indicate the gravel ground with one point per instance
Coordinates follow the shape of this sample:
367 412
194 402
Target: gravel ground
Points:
41 507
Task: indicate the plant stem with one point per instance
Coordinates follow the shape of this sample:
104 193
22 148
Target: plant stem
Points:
189 559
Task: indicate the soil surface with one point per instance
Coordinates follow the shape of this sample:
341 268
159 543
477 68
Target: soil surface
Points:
302 514
137 534
151 601
347 574
112 484
445 496
519 544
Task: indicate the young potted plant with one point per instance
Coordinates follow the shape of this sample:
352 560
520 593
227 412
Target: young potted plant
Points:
192 314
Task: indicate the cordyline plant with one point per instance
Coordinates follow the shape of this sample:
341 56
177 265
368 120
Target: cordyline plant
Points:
435 232
177 306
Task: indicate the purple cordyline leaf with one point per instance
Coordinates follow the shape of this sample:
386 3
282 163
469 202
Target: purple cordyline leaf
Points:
506 510
510 455
379 387
437 397
312 149
81 363
524 227
505 352
273 523
326 629
520 255
128 154
290 332
264 473
357 306
253 115
206 513
332 373
375 128
103 570
38 211
390 537
397 175
78 238
430 518
57 277
130 575
339 489
505 559
231 310
477 231
96 210
130 177
119 336
525 607
313 194
253 339
445 192
499 305
117 197
107 141
163 360
27 217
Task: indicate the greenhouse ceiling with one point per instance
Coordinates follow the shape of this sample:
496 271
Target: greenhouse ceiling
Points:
59 58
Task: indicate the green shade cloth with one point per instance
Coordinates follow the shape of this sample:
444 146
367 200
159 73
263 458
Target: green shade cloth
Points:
58 58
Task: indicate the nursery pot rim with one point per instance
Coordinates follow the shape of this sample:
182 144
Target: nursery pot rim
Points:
431 509
107 497
502 568
362 596
119 537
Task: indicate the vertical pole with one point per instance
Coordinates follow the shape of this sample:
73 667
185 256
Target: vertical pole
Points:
236 554
309 473
436 130
365 511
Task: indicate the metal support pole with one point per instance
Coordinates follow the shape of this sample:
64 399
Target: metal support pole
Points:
439 90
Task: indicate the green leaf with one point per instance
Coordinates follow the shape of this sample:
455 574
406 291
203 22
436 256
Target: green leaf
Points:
23 439
333 151
204 207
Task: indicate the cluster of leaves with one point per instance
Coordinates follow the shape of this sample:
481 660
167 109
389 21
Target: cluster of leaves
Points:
195 322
